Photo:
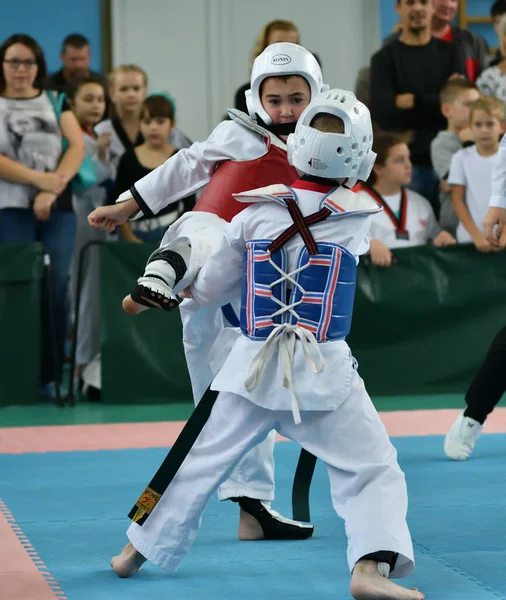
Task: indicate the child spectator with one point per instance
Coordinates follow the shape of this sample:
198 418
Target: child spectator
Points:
157 121
407 219
471 172
127 88
456 98
88 102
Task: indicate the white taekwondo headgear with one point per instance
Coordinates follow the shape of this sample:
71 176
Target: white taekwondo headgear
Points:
283 58
334 155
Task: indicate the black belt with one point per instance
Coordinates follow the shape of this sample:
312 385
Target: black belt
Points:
182 446
174 459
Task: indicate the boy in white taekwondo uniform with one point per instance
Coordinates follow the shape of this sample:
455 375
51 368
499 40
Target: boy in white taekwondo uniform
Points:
295 252
244 153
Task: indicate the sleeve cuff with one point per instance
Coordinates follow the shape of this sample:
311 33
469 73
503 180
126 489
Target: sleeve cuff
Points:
144 210
498 201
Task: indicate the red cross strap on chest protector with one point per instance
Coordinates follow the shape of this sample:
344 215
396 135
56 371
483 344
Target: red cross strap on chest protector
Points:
300 226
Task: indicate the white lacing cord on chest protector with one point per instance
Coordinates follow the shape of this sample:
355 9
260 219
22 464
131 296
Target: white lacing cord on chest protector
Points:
283 338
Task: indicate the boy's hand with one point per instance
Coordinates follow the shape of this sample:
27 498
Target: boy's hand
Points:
444 186
494 226
107 218
405 101
483 245
466 135
380 254
444 239
42 205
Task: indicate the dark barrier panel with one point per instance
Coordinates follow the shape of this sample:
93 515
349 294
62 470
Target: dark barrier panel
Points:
142 356
420 327
21 269
424 325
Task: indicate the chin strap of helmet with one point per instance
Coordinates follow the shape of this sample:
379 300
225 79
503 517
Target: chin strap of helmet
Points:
280 129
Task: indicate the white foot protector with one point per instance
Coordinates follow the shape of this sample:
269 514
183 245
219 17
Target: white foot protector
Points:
157 284
462 437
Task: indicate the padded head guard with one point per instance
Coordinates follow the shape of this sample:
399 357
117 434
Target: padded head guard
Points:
334 155
277 60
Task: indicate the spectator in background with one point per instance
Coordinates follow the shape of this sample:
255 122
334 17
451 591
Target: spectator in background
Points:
87 100
473 46
273 32
471 172
492 82
497 10
128 88
75 56
457 96
405 87
157 119
176 137
407 219
35 176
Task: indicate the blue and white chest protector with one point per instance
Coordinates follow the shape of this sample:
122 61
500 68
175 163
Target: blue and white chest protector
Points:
312 303
317 296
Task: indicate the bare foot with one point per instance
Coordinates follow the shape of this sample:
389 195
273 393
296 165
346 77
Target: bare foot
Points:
249 528
368 584
131 307
128 562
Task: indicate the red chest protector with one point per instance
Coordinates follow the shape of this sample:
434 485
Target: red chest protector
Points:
234 177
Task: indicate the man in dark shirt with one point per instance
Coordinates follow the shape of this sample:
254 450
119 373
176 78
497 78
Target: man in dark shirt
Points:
473 46
406 78
75 56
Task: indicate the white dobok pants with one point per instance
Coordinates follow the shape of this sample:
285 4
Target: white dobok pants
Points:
368 488
200 234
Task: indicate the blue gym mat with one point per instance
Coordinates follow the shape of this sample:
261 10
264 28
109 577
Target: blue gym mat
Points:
73 506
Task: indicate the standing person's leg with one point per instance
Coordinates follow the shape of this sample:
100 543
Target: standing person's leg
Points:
482 396
253 477
252 483
368 491
234 427
57 236
17 226
88 335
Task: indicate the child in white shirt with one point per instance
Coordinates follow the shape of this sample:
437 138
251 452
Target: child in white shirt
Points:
407 219
471 172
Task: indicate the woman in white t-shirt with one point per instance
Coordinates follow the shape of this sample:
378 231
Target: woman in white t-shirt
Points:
407 218
35 176
471 172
